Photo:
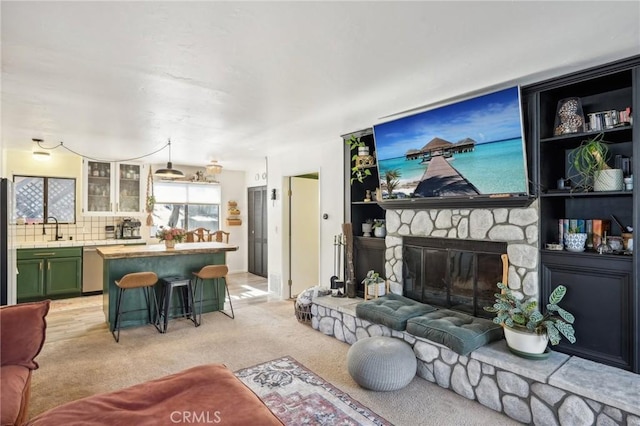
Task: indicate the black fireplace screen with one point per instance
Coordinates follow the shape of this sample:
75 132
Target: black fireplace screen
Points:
456 274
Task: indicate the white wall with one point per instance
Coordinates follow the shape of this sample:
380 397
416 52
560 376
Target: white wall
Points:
327 159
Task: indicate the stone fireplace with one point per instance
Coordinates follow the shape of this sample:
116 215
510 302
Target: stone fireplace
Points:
515 229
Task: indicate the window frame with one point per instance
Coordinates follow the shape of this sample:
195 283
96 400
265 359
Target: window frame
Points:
45 197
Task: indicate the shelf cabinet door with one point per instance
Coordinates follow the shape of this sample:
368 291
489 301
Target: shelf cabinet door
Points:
30 280
129 188
98 188
599 295
63 276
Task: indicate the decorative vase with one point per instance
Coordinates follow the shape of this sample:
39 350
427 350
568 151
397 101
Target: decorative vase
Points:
380 231
376 289
527 342
366 229
575 242
170 244
608 180
363 151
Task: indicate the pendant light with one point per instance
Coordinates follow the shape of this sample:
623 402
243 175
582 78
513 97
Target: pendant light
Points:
214 168
38 153
169 172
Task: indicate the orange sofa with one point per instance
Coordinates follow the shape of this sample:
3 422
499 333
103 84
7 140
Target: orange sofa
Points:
203 395
22 334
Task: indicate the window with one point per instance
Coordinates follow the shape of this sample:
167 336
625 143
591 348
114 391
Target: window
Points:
187 205
38 198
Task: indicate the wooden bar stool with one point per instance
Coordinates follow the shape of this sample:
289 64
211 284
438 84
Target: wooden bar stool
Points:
212 272
144 281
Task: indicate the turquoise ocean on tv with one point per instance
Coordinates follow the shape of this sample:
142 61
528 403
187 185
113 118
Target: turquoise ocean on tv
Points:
493 168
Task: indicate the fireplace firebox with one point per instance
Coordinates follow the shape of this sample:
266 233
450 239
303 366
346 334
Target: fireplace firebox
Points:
456 274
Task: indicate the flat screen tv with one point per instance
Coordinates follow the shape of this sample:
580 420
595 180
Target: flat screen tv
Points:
469 149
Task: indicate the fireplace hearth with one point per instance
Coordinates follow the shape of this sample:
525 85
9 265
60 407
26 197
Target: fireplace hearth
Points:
456 274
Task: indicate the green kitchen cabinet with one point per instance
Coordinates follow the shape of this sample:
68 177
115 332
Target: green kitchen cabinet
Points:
49 273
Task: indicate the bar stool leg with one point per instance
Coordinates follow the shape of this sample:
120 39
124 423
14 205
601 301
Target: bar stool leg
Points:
232 316
116 323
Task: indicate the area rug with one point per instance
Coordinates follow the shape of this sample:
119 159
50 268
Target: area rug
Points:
300 397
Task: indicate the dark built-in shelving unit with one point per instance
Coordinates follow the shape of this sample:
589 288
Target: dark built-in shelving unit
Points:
602 290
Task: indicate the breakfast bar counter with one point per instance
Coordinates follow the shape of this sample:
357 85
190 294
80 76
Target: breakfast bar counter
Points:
182 261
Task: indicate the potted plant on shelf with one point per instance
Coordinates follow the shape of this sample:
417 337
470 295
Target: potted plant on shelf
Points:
589 160
526 329
574 240
391 181
358 170
379 228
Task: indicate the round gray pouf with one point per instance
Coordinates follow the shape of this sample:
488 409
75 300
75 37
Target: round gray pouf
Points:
381 363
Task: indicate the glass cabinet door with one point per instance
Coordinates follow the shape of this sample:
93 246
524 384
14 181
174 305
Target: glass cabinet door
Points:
99 189
129 187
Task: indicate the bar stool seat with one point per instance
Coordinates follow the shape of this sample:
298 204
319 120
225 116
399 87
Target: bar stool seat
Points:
166 304
144 281
212 272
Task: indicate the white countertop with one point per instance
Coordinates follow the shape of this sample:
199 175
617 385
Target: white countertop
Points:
76 243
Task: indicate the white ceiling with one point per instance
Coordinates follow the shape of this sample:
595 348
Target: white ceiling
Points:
235 81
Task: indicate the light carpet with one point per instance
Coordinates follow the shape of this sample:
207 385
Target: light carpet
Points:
300 397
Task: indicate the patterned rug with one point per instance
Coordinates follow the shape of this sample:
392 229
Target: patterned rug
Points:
299 397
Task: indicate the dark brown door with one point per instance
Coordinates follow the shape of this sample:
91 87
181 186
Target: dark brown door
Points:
258 230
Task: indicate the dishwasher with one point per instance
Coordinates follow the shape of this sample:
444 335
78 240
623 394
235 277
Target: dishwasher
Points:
92 270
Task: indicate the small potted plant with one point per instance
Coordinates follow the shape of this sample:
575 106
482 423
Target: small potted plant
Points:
171 236
379 228
574 240
358 172
526 329
589 160
391 181
374 284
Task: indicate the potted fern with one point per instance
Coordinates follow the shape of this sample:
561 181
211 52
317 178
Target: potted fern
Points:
526 329
589 160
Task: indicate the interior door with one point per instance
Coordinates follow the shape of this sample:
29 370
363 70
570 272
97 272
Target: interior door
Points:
257 197
305 233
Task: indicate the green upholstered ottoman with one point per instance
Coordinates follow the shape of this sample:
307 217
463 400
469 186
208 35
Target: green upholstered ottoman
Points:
382 363
459 332
391 310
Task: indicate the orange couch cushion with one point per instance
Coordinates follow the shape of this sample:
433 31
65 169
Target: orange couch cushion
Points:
22 333
14 395
207 394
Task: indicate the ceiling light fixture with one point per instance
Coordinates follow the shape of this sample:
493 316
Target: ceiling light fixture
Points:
169 172
38 152
214 168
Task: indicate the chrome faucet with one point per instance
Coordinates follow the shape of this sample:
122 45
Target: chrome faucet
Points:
58 237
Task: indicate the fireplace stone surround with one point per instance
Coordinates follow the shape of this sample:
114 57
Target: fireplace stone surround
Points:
517 227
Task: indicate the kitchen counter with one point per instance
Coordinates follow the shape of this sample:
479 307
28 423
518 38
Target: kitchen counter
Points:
182 261
75 243
154 250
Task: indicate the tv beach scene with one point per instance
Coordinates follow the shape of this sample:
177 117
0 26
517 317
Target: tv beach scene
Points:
469 148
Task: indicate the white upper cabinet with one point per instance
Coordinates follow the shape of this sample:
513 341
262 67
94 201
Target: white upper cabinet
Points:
112 188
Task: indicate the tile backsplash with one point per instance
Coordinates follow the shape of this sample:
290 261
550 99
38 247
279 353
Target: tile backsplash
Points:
85 229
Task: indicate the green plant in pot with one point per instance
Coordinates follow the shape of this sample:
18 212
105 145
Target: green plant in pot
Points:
526 329
589 160
374 283
391 181
358 172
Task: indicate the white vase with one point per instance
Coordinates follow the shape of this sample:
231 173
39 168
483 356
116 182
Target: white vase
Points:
363 151
522 341
366 229
380 231
608 180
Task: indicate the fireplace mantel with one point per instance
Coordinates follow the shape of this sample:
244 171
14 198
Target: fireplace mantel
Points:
457 202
